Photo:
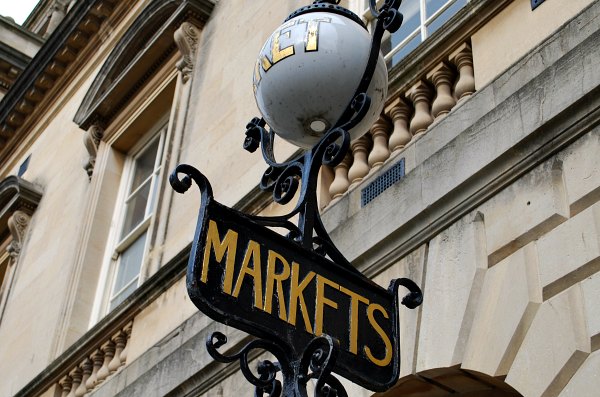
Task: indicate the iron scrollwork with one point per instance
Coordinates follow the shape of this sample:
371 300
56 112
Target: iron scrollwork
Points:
284 179
316 364
315 361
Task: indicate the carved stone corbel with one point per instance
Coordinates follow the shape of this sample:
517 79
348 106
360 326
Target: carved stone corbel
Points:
17 225
91 140
186 38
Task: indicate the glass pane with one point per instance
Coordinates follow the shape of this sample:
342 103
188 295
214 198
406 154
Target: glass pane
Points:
404 51
445 16
412 21
120 297
144 165
128 269
434 5
135 211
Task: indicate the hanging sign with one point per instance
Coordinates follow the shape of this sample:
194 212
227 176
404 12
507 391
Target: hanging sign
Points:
249 277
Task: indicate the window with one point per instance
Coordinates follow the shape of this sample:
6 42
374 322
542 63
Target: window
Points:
135 210
421 19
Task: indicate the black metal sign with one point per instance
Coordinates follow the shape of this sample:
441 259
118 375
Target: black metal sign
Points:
298 293
251 278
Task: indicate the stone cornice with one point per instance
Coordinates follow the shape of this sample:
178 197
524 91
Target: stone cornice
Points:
49 65
17 194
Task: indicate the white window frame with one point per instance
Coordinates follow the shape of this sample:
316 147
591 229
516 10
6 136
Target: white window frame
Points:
117 244
422 30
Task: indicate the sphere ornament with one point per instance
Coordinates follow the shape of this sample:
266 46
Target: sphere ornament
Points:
308 71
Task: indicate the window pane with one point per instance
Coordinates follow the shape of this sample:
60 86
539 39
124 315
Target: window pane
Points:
144 165
411 22
404 51
128 270
434 5
446 15
135 211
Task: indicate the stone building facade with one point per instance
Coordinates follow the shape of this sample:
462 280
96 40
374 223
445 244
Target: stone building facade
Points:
480 181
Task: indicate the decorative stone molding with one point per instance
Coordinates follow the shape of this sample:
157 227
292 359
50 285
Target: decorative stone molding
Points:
18 200
90 370
58 10
91 140
71 36
186 38
430 97
152 38
17 225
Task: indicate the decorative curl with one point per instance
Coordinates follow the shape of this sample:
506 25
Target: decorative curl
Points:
320 356
269 178
267 370
330 151
254 132
415 296
287 184
392 20
182 185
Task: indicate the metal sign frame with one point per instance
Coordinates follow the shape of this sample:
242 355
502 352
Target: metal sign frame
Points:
243 274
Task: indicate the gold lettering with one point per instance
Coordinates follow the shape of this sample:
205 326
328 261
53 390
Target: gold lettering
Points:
355 300
322 301
266 64
252 253
279 277
296 296
277 53
257 76
311 41
386 339
220 248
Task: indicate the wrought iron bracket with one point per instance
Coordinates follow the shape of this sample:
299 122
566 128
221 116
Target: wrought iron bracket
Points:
307 358
316 363
300 174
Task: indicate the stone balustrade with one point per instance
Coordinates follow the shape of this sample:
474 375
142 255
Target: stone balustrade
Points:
94 368
407 115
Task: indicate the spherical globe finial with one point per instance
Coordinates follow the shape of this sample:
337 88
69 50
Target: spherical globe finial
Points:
309 69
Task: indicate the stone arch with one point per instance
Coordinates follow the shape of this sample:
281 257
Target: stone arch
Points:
450 382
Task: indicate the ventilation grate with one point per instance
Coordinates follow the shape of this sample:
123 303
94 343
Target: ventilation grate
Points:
382 182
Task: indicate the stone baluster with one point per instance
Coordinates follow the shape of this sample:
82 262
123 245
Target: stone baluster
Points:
76 376
108 349
119 339
97 359
380 151
340 182
399 112
442 77
86 369
66 384
462 58
360 166
420 95
326 176
127 330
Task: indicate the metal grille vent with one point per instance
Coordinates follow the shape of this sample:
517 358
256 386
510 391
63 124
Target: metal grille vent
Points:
382 182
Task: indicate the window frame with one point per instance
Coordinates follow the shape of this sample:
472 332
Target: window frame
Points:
421 31
118 244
